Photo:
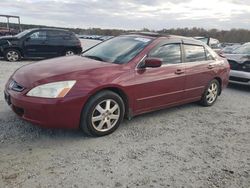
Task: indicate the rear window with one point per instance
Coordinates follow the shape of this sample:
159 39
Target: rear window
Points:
194 53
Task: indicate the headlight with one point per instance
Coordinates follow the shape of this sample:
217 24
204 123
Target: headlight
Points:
52 90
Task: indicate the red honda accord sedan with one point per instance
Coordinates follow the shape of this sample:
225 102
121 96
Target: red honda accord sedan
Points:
123 77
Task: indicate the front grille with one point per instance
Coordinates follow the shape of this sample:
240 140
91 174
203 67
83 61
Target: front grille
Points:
237 79
239 67
234 65
13 85
246 66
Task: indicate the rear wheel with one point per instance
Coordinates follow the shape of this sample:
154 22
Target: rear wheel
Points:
211 93
102 114
69 53
12 55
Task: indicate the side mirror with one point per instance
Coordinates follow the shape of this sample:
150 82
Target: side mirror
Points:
152 62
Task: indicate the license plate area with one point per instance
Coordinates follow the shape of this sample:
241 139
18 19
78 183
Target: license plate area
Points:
7 98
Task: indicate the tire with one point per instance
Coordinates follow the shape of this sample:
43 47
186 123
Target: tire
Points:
99 120
69 52
211 93
12 55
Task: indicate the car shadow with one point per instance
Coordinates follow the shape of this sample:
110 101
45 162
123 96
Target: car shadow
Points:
239 87
15 130
20 130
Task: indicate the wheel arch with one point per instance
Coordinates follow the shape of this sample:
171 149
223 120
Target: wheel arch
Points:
14 48
119 91
220 82
68 48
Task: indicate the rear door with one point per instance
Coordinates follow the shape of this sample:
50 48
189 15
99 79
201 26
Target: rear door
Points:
200 69
163 86
56 42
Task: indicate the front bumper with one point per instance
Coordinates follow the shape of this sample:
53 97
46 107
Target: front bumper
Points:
47 113
239 77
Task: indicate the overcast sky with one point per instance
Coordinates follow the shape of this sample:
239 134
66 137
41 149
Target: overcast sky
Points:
131 14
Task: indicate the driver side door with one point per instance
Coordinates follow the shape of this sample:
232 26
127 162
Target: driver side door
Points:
163 86
35 45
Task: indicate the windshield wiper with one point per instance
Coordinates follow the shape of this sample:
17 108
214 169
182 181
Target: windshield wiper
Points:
93 57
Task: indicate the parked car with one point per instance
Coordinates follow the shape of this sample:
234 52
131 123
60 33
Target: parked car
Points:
103 38
39 43
229 49
228 44
122 77
239 60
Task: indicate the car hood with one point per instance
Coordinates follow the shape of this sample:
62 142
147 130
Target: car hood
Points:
8 38
59 69
239 58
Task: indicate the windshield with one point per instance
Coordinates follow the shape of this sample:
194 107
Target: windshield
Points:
118 50
19 35
244 49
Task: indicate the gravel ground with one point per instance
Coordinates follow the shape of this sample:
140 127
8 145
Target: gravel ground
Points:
186 146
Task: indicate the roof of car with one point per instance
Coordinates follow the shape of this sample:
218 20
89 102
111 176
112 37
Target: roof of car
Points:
149 34
158 35
48 28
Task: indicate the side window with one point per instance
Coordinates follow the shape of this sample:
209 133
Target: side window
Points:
58 35
169 53
39 35
194 53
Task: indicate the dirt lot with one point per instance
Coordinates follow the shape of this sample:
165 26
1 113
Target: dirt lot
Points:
189 146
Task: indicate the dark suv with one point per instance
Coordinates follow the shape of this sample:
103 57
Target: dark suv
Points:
39 43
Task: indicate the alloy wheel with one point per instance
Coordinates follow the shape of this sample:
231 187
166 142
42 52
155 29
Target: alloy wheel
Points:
69 53
212 93
105 115
12 56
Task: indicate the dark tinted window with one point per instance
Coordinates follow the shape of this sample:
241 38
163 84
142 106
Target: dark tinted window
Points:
169 53
194 53
54 35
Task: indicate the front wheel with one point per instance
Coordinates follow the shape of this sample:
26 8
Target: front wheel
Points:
102 114
211 93
12 55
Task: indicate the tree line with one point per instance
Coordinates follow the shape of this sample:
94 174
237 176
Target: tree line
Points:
233 35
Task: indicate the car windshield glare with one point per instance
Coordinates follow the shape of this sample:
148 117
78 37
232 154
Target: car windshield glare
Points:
118 50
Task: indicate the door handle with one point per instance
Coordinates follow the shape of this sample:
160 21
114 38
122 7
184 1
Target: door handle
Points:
179 71
210 66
